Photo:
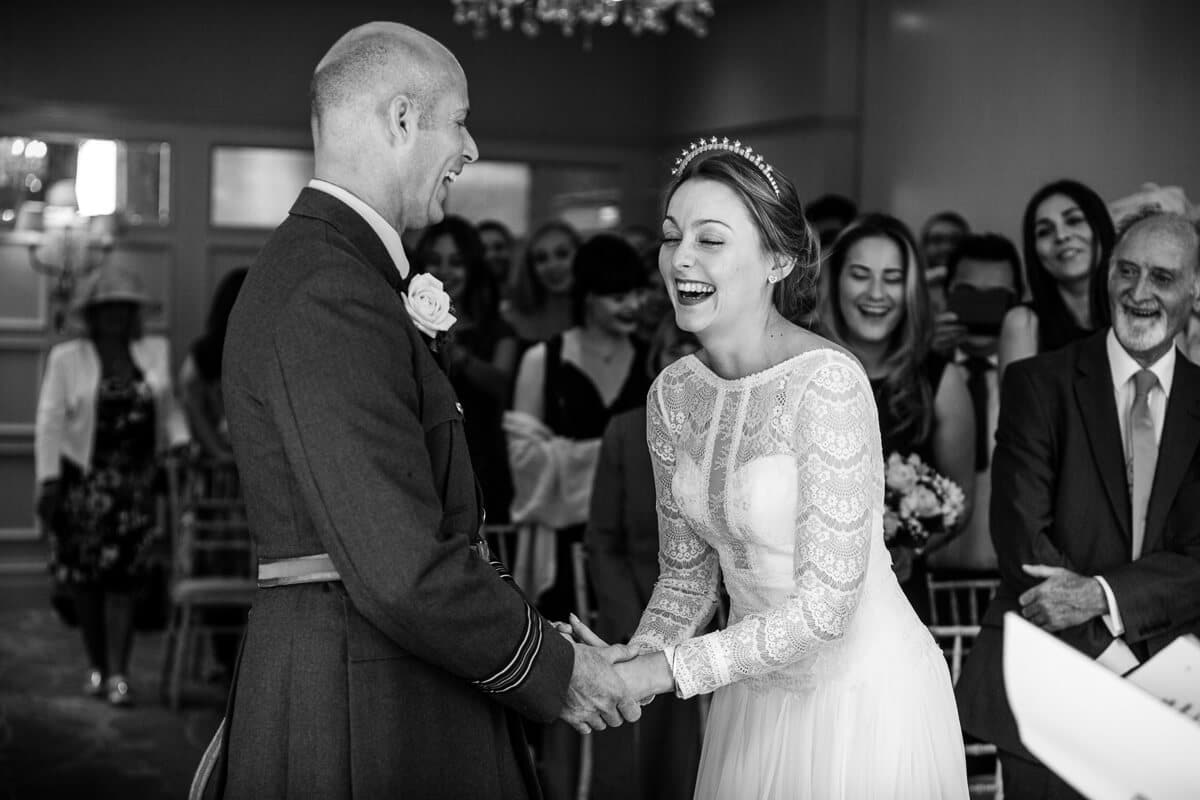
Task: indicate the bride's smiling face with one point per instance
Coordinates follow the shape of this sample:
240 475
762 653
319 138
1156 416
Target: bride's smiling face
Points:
712 259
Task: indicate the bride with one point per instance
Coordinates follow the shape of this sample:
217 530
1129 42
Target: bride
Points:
768 472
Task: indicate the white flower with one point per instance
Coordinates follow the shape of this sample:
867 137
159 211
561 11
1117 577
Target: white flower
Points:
900 476
920 503
428 305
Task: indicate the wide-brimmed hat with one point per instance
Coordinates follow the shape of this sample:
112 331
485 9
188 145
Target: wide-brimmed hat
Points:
112 283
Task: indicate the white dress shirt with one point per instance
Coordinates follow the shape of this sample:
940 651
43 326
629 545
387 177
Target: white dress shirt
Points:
386 233
1123 368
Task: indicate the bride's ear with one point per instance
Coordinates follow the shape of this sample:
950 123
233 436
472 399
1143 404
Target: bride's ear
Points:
783 267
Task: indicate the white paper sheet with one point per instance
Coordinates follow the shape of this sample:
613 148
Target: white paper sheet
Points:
1100 733
1173 676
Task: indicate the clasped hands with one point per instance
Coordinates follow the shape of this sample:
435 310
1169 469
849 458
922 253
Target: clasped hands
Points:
610 683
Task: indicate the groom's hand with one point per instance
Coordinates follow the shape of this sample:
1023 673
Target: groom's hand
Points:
596 696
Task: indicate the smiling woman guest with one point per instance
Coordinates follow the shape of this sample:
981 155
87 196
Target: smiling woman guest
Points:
1068 238
876 305
541 291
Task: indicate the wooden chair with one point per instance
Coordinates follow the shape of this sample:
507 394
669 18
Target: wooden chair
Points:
213 567
955 641
954 594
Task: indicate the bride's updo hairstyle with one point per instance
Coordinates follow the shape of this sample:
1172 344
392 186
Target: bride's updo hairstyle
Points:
779 216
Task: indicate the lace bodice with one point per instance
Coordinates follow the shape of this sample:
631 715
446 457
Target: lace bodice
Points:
777 479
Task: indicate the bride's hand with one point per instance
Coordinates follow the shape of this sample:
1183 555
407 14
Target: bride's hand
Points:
647 675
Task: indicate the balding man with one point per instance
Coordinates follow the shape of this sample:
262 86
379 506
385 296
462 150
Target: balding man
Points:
1095 511
385 655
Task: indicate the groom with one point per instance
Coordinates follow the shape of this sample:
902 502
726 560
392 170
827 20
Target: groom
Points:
384 655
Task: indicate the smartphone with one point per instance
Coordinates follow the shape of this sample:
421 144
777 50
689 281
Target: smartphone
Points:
980 310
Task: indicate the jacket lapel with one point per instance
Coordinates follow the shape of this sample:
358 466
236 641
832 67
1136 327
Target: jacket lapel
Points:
1180 438
1098 408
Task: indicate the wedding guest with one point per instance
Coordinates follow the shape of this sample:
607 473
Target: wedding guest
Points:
939 237
828 215
657 758
567 390
200 375
984 274
1096 491
541 289
940 234
481 354
875 305
105 414
498 243
1067 236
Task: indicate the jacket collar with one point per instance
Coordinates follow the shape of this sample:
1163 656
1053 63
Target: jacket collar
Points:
322 206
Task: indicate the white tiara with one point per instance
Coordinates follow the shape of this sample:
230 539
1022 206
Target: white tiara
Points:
705 145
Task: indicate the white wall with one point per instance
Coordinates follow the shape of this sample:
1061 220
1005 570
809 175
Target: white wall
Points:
782 76
973 104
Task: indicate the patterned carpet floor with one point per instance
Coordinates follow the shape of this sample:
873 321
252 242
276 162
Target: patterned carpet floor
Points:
57 743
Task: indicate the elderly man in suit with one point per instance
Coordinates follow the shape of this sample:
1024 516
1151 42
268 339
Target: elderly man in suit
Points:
1095 509
385 654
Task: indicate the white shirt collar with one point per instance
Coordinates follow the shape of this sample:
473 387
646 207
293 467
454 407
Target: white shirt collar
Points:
1123 366
386 233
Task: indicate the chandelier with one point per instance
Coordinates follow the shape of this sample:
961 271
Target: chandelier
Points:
572 15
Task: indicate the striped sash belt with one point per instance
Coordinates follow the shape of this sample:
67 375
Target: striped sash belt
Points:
273 572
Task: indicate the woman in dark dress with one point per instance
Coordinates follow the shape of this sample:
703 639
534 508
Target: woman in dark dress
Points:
1068 237
567 390
105 412
480 352
875 304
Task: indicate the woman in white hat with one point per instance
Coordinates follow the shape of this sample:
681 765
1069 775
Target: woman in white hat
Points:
105 412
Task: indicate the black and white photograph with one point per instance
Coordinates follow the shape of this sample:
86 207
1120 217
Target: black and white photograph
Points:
600 400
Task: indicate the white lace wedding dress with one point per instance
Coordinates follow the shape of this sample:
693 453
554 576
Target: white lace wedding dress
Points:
826 683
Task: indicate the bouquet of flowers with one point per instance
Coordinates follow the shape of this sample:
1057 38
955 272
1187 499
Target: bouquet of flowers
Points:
918 502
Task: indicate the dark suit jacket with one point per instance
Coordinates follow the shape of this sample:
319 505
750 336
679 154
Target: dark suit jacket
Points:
622 530
1060 497
400 680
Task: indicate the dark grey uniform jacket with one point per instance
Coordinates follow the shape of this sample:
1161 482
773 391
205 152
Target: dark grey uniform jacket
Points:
403 680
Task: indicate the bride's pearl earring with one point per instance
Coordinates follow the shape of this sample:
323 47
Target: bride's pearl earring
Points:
772 278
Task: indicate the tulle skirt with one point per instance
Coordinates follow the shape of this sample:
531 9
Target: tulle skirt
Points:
894 736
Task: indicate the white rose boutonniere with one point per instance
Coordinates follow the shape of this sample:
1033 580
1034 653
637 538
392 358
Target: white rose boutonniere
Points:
428 305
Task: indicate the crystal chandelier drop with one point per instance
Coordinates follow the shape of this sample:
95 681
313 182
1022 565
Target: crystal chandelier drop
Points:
572 15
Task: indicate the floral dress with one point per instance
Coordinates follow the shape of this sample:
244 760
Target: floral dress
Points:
103 529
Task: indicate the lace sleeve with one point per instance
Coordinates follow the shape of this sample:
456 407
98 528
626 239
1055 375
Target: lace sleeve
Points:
836 443
685 595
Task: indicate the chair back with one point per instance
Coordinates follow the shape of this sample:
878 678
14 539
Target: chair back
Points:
959 601
212 534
